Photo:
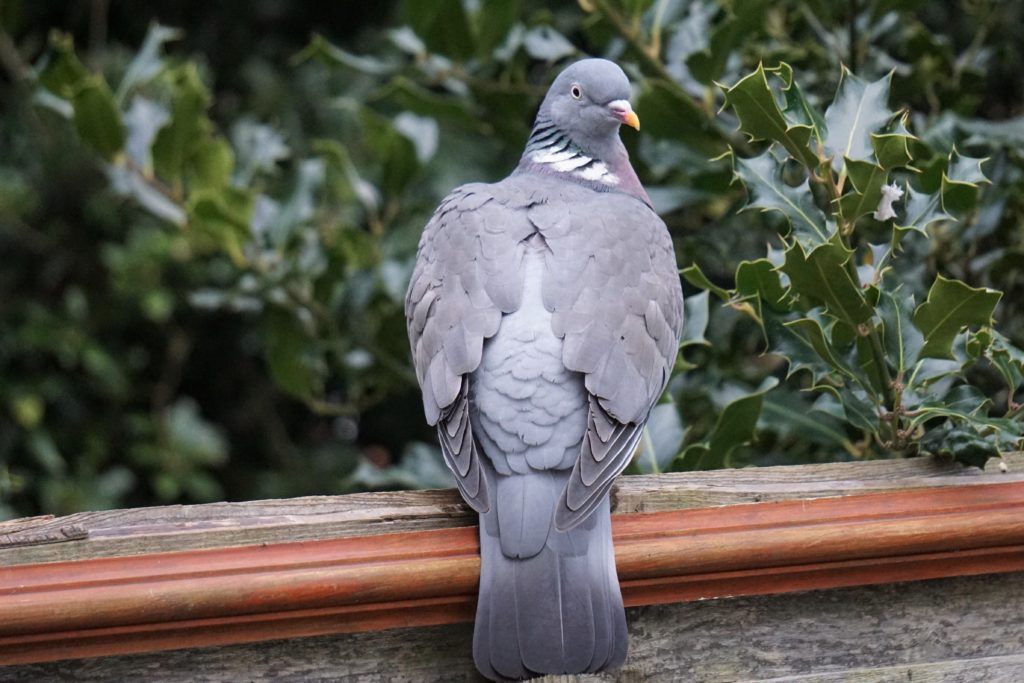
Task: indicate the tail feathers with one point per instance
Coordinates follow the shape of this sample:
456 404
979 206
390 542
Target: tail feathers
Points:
557 612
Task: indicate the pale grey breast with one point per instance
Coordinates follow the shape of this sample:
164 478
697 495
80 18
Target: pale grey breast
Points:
530 411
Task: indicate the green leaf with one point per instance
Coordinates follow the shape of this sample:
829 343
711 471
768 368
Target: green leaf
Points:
760 279
861 357
421 131
920 211
902 340
442 24
858 110
299 207
964 402
695 320
292 355
343 178
761 118
667 115
952 305
788 413
395 151
734 427
414 97
546 44
663 436
961 181
798 351
696 277
97 118
177 141
961 442
767 191
867 178
892 149
421 466
798 109
850 403
62 73
219 219
143 120
259 148
213 164
822 275
744 19
494 20
322 49
807 334
149 61
130 183
1007 358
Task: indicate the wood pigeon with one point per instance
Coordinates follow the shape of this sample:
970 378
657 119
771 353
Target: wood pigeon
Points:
544 314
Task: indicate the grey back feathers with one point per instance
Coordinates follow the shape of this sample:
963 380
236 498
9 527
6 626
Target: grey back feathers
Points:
544 314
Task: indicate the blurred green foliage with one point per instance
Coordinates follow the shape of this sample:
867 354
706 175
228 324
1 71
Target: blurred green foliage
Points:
207 230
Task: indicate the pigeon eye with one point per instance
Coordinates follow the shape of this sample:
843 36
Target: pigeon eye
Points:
575 92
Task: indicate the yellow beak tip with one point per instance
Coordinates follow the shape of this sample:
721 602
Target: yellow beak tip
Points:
631 120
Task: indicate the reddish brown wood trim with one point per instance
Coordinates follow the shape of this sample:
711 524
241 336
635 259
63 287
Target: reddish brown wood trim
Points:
200 598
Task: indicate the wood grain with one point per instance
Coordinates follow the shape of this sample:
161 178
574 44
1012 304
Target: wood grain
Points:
216 596
180 527
968 630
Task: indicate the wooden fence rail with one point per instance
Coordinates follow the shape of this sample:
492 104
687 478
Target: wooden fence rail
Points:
381 586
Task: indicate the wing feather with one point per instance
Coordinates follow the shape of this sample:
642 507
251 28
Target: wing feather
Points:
467 274
617 302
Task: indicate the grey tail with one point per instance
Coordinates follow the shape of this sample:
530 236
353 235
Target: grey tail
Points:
549 601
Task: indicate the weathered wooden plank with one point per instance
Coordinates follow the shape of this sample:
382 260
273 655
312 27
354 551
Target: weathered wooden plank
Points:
201 598
181 527
963 629
1006 669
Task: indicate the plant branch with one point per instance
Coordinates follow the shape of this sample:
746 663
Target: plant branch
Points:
834 190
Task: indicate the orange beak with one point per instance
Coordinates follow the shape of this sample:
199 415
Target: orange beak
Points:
622 110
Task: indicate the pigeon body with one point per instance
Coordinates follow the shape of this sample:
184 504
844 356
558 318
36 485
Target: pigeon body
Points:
544 314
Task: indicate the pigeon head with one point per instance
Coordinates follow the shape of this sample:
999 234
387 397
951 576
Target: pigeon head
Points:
589 100
576 134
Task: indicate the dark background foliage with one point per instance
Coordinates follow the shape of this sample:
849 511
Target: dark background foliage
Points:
233 329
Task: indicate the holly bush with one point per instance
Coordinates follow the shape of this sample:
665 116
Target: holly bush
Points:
208 240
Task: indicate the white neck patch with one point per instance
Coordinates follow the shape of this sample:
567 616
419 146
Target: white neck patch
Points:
569 159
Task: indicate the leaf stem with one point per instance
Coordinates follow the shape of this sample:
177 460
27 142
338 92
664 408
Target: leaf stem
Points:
892 398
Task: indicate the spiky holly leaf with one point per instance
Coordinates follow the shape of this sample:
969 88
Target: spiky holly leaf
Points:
962 443
97 118
850 403
902 340
798 109
952 305
761 118
961 182
696 277
767 191
804 344
892 148
759 279
695 320
1006 358
821 275
920 210
734 427
858 110
867 179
